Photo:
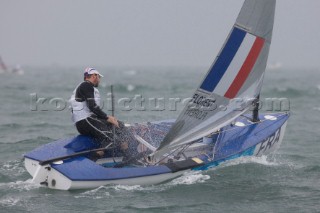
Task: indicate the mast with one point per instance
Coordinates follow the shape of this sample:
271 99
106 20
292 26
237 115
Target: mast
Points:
255 112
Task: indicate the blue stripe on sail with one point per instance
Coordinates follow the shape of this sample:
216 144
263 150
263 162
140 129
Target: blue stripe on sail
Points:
224 60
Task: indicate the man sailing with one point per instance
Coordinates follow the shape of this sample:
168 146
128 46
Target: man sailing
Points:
88 116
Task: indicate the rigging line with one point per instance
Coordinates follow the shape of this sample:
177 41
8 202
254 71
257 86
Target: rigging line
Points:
183 147
166 156
102 123
102 132
113 126
97 120
215 145
150 133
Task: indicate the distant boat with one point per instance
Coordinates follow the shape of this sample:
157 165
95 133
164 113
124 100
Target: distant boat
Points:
16 70
275 66
210 131
3 66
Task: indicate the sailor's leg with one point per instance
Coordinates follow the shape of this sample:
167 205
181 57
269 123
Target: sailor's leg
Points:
99 131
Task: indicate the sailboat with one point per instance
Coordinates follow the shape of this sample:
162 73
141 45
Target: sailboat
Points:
214 128
16 70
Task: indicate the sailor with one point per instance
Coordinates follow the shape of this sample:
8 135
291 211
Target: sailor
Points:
88 116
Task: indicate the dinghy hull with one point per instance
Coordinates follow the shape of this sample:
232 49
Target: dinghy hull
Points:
55 180
242 138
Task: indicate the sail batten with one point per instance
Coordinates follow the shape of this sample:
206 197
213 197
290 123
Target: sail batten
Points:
232 82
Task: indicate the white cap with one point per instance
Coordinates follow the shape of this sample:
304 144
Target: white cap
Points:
90 71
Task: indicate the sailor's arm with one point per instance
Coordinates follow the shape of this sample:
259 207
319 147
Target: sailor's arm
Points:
88 93
113 120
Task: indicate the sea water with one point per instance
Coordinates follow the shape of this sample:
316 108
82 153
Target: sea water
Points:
34 111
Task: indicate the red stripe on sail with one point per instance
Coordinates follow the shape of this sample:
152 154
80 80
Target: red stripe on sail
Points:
245 69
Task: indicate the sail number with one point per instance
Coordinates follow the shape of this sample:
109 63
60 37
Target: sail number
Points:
203 102
200 106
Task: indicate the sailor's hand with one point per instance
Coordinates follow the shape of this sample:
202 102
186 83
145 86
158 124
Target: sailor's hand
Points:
113 120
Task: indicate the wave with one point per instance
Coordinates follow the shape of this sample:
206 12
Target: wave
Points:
15 87
313 169
296 157
10 171
37 141
263 160
130 72
20 185
291 92
190 178
97 193
15 166
11 174
10 125
284 92
9 201
29 125
124 88
48 125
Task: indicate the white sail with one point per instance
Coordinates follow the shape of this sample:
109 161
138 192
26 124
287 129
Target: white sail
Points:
232 82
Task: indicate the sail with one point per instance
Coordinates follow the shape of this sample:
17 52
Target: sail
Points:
233 81
3 65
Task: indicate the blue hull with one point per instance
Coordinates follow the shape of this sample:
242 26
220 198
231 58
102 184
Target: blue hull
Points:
233 141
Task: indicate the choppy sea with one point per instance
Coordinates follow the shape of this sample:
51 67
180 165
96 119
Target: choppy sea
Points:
34 111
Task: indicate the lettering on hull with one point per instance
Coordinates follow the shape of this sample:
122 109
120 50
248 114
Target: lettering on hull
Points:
269 142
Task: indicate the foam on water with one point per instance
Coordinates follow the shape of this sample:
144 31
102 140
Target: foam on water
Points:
9 201
189 178
263 160
133 188
128 188
20 185
98 193
12 168
130 87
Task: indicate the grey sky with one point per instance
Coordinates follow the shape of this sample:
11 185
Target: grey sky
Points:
146 32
